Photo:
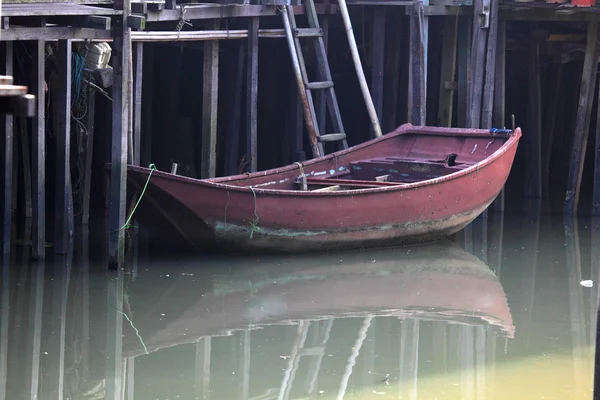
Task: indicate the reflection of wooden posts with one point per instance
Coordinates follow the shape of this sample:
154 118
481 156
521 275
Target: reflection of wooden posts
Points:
292 367
409 358
533 172
202 383
210 95
530 237
62 114
467 360
130 377
362 334
36 304
114 337
7 159
584 108
4 322
439 345
245 365
38 145
480 342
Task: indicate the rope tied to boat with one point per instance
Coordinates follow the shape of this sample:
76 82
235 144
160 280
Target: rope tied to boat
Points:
254 224
302 176
127 225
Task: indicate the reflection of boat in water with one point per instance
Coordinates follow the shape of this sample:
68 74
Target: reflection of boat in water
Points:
431 282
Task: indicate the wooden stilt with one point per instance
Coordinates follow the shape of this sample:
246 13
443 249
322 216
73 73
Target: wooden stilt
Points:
391 86
232 155
477 64
210 95
447 84
38 143
417 87
137 102
62 113
26 158
487 107
147 104
584 108
533 175
120 112
89 151
462 61
252 94
377 61
7 159
550 125
498 119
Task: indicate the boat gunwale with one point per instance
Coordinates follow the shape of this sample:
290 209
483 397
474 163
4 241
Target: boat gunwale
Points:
218 183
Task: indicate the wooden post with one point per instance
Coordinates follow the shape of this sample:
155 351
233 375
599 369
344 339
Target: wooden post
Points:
377 61
7 160
137 102
147 104
62 109
417 85
210 93
500 95
475 85
252 94
447 84
584 108
533 175
232 155
487 107
38 143
462 55
551 112
89 151
120 116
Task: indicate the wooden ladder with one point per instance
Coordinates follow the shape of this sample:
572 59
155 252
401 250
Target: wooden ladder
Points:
305 87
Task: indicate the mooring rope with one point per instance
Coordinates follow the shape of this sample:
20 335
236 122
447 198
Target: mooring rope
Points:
253 224
128 222
302 175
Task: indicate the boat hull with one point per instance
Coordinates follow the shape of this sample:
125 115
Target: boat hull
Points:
206 212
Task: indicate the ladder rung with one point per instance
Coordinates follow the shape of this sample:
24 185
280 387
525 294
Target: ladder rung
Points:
308 32
332 137
319 85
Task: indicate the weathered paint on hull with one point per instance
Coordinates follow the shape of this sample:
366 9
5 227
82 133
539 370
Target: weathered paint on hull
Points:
305 220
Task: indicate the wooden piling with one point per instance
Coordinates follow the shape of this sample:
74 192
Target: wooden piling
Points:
533 172
210 93
477 67
7 161
462 64
38 143
448 71
120 116
487 106
62 115
584 107
252 94
137 102
417 88
147 105
377 61
232 154
498 119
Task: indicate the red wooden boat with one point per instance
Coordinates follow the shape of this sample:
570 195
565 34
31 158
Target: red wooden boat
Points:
412 185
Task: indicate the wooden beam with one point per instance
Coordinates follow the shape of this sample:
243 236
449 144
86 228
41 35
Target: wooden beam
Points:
210 95
417 84
53 33
120 117
377 61
232 154
584 108
62 115
500 95
446 94
38 143
252 94
137 102
477 65
7 160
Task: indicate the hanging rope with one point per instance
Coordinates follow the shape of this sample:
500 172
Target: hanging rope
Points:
128 222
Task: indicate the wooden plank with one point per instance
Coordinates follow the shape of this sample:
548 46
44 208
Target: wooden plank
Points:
584 108
377 61
53 9
446 96
137 102
477 65
38 143
500 95
252 94
120 115
487 107
232 154
462 63
62 115
417 86
88 155
53 33
210 95
533 175
7 160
